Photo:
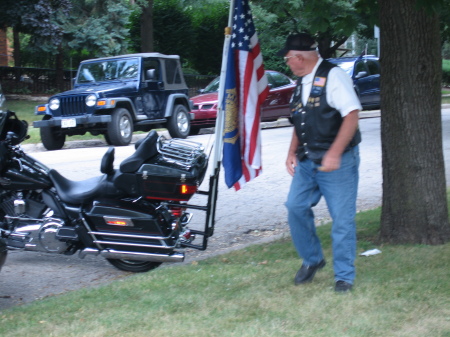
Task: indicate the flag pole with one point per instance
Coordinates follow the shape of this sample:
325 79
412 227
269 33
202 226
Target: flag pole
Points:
218 144
220 120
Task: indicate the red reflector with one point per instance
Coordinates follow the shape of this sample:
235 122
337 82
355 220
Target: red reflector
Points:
176 211
117 223
188 189
112 221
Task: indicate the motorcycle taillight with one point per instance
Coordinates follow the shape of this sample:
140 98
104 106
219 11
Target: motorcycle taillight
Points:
177 211
188 189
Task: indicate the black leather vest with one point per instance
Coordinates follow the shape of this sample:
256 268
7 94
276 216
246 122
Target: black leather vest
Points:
316 124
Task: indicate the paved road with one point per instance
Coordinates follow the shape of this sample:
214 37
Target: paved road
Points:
254 214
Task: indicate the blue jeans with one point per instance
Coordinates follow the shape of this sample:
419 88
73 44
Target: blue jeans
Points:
339 189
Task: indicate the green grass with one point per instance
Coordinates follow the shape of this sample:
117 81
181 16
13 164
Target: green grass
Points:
25 111
404 291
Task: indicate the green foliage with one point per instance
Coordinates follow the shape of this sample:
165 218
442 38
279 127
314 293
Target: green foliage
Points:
444 14
209 22
42 19
134 30
330 21
431 6
446 72
99 27
173 33
77 28
191 28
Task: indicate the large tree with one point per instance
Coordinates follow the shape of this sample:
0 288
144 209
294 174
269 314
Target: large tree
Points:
414 208
145 12
98 27
330 21
42 19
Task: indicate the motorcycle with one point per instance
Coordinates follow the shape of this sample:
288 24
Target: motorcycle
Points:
135 216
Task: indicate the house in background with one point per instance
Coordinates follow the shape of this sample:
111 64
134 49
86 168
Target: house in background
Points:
5 51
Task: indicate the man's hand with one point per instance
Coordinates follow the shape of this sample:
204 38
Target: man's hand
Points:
291 163
332 159
330 162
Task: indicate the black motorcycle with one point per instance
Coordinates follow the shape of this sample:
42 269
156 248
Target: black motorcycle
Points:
135 216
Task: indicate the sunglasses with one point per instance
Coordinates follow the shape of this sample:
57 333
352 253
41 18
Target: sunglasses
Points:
286 58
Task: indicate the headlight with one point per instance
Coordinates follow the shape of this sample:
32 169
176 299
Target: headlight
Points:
91 100
53 104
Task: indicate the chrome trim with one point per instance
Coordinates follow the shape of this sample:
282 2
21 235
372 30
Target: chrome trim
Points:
88 251
90 232
116 254
132 236
118 243
9 217
188 218
181 152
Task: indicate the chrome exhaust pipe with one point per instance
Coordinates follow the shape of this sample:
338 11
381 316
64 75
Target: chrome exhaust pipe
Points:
123 255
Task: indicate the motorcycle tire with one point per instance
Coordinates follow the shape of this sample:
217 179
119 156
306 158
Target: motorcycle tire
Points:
134 266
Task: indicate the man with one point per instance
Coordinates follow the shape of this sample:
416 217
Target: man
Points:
323 160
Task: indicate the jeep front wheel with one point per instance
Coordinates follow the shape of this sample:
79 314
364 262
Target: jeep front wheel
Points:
120 129
179 125
52 138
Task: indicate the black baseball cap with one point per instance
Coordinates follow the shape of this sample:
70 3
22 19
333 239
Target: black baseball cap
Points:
300 42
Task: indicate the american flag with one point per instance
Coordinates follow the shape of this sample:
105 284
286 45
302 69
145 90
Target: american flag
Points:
246 87
320 81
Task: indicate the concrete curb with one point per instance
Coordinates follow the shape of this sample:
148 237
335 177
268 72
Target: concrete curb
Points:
282 122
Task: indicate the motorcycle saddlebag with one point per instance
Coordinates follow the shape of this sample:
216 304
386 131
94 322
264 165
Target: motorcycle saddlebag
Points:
175 173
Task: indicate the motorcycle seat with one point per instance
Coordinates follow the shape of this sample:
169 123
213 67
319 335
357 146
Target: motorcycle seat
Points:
107 164
77 192
144 151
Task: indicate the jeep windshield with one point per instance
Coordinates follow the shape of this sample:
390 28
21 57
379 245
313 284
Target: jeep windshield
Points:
346 65
109 70
212 87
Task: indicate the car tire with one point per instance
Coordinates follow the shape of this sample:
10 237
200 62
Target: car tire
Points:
107 140
195 130
120 129
3 253
52 138
179 125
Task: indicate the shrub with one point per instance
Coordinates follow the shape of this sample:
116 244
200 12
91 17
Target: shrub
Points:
446 72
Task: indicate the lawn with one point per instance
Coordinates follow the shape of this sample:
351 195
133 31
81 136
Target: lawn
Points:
404 291
25 111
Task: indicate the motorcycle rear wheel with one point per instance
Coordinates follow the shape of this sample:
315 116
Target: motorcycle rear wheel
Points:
134 266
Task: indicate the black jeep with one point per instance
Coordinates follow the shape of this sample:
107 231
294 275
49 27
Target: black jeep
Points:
115 96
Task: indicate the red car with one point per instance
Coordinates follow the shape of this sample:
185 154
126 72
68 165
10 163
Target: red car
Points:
275 106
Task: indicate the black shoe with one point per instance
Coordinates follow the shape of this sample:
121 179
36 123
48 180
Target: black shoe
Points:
306 273
342 287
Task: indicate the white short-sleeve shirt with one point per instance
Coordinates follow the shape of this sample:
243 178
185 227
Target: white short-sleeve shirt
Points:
339 88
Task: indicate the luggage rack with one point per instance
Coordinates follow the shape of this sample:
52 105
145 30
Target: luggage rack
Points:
187 154
184 153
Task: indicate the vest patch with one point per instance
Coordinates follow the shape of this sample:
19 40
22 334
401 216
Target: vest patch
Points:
320 81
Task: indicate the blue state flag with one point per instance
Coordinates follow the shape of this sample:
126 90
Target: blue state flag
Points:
231 146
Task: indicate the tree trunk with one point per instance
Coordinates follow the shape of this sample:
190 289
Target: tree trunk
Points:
414 208
147 28
59 66
16 44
